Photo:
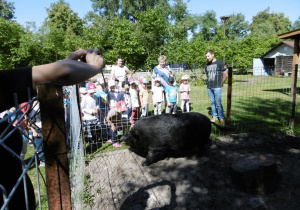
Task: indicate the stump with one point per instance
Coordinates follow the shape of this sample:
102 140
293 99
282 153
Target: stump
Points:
255 173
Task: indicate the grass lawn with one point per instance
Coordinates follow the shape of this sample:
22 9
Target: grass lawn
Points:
42 176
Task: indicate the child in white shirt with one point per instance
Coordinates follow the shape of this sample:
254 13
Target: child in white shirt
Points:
157 96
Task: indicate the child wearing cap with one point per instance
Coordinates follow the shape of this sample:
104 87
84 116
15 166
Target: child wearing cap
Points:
144 98
134 101
89 108
172 96
157 96
185 89
114 119
125 96
112 94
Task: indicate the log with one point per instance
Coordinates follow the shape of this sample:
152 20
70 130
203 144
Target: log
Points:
255 173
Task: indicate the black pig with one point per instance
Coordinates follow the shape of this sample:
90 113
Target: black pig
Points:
169 134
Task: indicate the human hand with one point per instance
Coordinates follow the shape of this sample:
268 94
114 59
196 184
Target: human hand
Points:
94 58
78 54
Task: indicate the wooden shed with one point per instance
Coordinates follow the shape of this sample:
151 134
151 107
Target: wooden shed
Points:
278 60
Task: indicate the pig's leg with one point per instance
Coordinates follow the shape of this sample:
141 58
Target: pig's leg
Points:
153 156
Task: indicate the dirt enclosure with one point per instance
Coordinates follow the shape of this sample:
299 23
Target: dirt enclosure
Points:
117 180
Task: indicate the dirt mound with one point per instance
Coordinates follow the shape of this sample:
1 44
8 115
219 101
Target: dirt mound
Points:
118 181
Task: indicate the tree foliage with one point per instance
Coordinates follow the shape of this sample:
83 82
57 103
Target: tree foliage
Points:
277 22
7 10
296 24
139 31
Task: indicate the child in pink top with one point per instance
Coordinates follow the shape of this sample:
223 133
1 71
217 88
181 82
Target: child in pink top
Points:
185 89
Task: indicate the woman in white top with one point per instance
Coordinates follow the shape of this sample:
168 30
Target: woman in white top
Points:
120 71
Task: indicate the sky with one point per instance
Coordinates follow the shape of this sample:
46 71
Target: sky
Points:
35 10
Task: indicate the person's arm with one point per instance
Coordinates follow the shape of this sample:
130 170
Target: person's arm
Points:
69 71
128 72
110 123
112 73
224 76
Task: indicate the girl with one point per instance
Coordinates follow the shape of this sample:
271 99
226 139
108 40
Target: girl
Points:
185 89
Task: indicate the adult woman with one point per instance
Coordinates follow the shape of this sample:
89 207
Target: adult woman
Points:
120 71
162 71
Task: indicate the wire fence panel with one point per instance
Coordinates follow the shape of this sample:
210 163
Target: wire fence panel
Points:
16 186
76 146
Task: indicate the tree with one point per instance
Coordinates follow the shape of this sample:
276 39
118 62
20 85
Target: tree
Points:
277 21
152 31
208 25
10 33
62 17
127 8
296 25
236 26
7 10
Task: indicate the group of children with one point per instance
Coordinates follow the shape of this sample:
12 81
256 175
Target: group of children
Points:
123 104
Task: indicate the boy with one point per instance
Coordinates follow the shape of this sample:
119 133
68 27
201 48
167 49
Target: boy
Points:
158 95
134 101
172 97
144 97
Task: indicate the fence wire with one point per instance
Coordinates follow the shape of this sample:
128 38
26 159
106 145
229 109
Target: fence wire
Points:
17 190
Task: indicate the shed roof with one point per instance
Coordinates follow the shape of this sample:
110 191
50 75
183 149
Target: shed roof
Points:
290 35
289 43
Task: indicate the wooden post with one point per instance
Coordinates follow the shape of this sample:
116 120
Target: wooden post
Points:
229 92
295 70
55 148
295 61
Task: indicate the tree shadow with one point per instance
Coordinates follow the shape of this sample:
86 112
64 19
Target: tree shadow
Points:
138 200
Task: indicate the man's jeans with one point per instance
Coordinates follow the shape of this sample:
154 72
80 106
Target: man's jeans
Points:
215 96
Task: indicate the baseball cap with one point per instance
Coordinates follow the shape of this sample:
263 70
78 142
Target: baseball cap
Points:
91 87
131 80
157 79
145 81
122 106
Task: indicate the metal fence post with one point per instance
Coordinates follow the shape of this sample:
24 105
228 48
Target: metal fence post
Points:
294 92
229 92
55 148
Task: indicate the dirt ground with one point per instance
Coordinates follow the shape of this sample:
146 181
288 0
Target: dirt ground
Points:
117 180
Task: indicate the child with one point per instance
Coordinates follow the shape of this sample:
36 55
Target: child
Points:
112 94
114 119
89 108
144 98
172 97
125 96
134 101
117 86
184 93
158 95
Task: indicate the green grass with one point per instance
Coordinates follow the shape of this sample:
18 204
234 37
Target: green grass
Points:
258 103
42 175
106 147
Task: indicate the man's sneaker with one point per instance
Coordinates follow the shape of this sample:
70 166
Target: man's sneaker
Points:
222 121
117 145
214 119
109 141
42 163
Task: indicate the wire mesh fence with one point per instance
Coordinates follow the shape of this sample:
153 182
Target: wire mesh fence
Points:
16 134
